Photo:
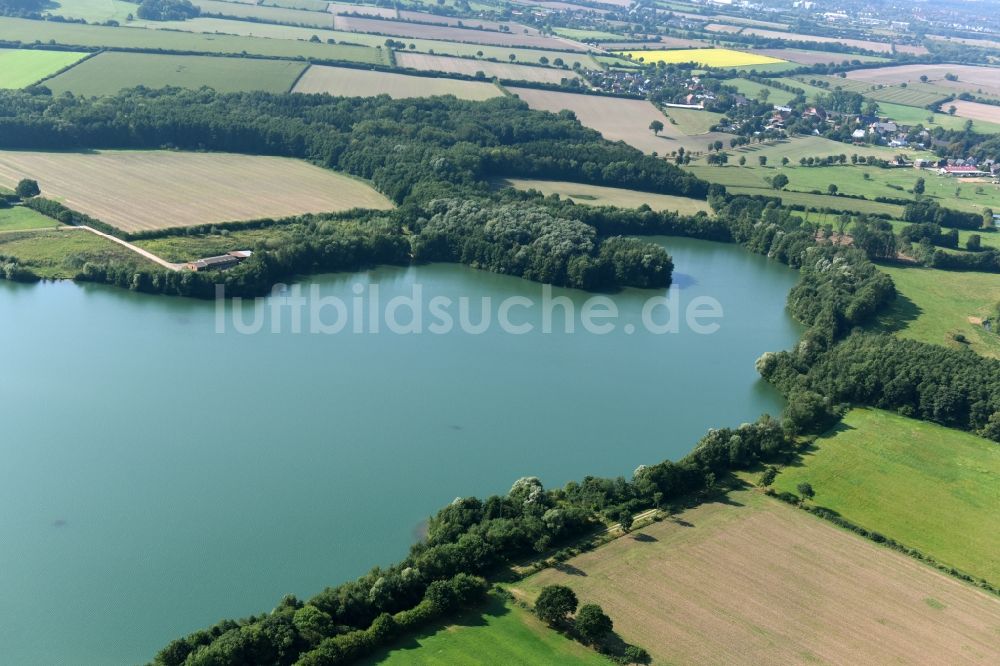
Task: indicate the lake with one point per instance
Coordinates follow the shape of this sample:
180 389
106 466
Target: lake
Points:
157 475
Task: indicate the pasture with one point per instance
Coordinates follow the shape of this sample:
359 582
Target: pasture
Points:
23 67
909 115
693 121
703 57
502 70
934 306
753 90
597 195
109 72
137 190
619 119
364 10
266 14
364 83
498 633
20 218
76 34
929 487
912 95
92 11
59 254
588 35
753 580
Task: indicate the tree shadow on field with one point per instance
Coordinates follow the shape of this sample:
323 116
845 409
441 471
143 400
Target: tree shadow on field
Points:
568 569
642 537
898 317
494 606
800 456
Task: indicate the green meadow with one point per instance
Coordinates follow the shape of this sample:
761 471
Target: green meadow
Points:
109 72
22 67
19 218
499 633
926 486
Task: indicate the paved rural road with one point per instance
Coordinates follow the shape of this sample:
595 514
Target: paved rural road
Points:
138 250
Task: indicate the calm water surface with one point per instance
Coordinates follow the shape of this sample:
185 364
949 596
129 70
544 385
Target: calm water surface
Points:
156 476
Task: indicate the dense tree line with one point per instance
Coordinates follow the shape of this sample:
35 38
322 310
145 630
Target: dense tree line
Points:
166 10
930 211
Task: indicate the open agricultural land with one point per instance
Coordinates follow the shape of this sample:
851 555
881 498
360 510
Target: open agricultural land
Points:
753 580
498 633
361 83
945 308
704 57
805 57
968 76
975 110
23 67
109 72
926 486
596 195
501 70
60 253
137 190
865 44
20 218
618 119
453 34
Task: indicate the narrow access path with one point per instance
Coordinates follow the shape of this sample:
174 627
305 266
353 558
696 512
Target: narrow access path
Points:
135 248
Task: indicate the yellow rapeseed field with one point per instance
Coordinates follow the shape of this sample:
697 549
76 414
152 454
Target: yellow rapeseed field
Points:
704 57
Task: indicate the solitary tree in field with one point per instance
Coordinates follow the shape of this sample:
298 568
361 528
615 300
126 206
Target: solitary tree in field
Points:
27 188
779 182
832 189
919 186
656 126
555 603
513 57
784 161
592 624
988 222
543 60
952 109
743 160
806 490
762 160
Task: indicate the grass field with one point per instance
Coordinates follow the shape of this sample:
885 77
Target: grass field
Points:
22 67
503 70
267 14
92 11
499 633
365 83
61 253
911 95
935 305
588 35
619 119
449 33
109 72
755 581
19 218
75 34
692 121
704 57
929 487
909 115
138 190
752 89
596 195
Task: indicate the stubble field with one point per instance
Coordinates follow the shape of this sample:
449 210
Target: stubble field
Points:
138 190
364 83
509 71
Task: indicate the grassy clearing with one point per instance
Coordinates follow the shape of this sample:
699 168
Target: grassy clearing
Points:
588 35
365 83
19 218
109 72
752 89
754 580
22 67
596 195
76 34
138 190
692 121
704 57
188 247
937 305
499 633
929 487
61 253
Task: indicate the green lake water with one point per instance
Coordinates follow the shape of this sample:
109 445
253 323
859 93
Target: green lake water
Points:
157 476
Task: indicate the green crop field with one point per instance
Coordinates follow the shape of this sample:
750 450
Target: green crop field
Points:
912 95
596 195
812 92
61 253
109 72
752 89
924 485
910 115
934 306
92 11
75 34
588 35
22 67
693 121
19 218
266 14
499 633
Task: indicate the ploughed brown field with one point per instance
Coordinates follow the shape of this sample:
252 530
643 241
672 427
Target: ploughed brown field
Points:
156 189
755 581
503 70
620 119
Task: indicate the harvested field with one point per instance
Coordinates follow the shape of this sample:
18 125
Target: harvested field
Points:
23 67
468 66
975 110
109 72
451 34
804 57
364 83
755 581
720 27
138 190
361 10
597 195
970 77
865 44
704 57
266 14
467 22
619 119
